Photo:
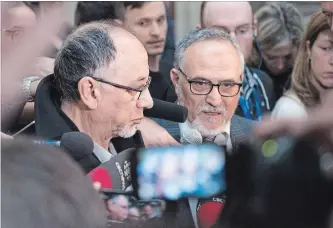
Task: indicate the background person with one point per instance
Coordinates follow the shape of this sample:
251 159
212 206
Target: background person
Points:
279 32
312 76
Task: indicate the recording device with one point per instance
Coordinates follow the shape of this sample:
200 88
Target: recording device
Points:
276 183
115 173
124 207
77 144
167 111
179 172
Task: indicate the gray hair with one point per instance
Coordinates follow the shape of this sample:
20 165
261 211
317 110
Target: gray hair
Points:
277 22
202 35
85 51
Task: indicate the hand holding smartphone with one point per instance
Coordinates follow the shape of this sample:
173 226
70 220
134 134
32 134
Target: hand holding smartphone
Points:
177 172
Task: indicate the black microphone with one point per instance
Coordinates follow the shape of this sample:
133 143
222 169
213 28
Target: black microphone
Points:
119 169
79 146
167 111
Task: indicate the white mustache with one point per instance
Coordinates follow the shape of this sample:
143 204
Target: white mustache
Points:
205 108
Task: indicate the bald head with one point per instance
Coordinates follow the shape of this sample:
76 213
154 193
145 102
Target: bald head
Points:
234 17
98 49
213 12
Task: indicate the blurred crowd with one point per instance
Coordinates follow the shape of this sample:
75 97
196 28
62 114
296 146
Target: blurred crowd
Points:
238 73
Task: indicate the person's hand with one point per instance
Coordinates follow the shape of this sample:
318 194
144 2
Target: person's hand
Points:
43 67
154 135
319 124
4 136
317 127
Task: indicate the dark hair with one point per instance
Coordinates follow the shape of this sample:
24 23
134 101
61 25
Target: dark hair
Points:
121 9
95 11
44 187
86 50
134 5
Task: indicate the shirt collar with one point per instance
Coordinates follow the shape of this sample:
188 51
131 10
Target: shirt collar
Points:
102 154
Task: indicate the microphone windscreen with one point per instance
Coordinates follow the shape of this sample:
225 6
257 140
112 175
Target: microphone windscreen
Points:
78 144
119 168
209 213
167 111
101 176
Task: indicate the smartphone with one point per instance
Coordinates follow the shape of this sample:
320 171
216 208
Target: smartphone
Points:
177 172
124 207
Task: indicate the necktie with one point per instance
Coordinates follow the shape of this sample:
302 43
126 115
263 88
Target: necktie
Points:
209 210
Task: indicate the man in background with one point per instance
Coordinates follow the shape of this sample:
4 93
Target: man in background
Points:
148 22
236 18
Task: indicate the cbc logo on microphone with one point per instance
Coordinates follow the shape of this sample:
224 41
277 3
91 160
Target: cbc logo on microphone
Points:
127 170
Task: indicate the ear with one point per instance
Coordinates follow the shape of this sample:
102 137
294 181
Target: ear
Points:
89 92
198 26
255 27
174 77
242 77
308 48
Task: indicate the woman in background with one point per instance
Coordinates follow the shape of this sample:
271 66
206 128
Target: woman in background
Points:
312 76
279 31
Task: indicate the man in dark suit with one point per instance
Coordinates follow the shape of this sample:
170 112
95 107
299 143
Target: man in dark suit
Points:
89 92
207 74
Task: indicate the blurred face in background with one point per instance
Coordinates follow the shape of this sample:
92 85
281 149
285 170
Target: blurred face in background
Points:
149 25
16 20
280 59
321 56
234 17
206 62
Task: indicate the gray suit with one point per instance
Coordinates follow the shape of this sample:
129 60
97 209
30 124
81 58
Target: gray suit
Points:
240 130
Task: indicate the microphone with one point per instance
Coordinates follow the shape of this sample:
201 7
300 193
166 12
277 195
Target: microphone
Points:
167 111
189 135
208 211
77 144
117 170
101 176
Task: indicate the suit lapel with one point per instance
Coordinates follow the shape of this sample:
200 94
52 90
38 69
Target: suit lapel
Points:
239 131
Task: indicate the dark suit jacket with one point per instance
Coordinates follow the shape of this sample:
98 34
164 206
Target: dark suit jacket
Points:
239 132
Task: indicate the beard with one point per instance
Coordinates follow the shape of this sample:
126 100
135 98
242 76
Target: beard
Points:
127 131
204 107
208 132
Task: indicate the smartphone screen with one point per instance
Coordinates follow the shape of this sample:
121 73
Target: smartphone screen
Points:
124 207
181 171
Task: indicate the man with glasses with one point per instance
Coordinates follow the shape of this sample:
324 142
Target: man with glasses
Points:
236 18
99 87
207 75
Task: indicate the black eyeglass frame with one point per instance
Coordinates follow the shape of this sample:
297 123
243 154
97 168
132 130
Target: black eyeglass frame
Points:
125 87
190 81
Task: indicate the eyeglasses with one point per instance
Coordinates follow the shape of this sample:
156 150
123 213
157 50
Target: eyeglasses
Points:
202 87
137 91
